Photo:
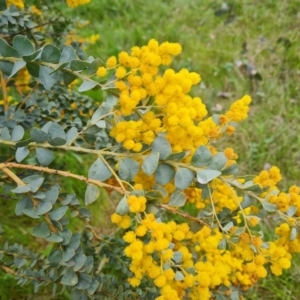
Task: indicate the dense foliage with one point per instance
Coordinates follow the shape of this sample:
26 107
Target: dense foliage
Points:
190 225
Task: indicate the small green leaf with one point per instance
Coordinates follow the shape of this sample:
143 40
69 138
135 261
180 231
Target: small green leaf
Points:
68 78
231 170
164 173
23 45
268 206
99 171
293 234
218 162
38 135
71 135
58 213
68 253
7 50
247 201
92 193
6 67
70 278
78 65
17 133
177 256
87 85
122 208
177 199
32 57
205 176
50 54
24 202
177 156
47 79
93 287
33 69
18 65
44 156
43 208
21 153
179 276
162 146
79 260
54 238
228 226
222 244
34 182
202 157
150 163
183 178
42 230
67 55
84 281
128 168
5 135
21 189
93 67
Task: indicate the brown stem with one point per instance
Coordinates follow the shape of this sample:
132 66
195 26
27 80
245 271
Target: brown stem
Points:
183 214
4 167
4 92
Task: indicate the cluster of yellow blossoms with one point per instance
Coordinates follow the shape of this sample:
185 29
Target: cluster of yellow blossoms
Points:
163 102
75 3
184 260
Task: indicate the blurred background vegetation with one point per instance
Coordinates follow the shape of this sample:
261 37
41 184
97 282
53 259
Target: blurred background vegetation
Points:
238 47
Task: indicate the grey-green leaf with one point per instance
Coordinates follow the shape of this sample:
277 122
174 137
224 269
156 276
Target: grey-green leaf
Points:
87 85
218 162
21 153
50 53
92 193
269 206
44 156
7 50
122 208
67 55
99 171
38 135
202 157
23 45
183 178
17 133
47 79
164 173
179 276
78 65
205 176
79 260
18 65
70 278
58 213
162 146
150 163
177 199
128 168
42 230
43 208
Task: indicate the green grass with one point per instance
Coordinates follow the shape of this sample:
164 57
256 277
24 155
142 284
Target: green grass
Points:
262 35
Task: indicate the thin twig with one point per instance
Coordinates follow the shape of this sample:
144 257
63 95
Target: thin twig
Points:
183 214
5 166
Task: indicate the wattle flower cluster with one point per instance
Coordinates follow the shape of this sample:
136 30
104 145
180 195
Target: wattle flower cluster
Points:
184 260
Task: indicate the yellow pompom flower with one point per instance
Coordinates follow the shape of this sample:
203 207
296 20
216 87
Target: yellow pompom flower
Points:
111 62
101 72
75 3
